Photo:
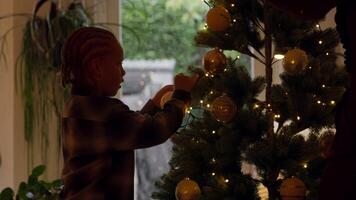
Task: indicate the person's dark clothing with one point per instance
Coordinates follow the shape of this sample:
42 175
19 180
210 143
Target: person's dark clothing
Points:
99 137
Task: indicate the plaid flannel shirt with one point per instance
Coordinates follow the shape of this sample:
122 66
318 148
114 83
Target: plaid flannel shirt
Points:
99 137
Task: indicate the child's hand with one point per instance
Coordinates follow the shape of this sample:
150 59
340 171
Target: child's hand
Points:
186 83
157 98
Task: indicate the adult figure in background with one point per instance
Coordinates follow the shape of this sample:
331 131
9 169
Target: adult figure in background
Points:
339 178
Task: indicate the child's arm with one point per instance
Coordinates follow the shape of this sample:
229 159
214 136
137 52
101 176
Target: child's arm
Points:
150 108
132 130
305 9
154 105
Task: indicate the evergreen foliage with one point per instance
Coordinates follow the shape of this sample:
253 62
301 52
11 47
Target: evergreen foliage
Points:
265 132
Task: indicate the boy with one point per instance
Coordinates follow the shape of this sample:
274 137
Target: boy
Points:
100 133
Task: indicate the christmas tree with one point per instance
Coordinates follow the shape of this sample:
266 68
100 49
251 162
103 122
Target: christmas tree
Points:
229 124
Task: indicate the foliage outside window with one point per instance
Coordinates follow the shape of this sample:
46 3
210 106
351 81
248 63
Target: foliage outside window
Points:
156 29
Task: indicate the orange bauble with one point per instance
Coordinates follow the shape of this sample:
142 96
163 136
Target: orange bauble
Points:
214 61
187 190
224 109
218 19
166 97
293 189
295 61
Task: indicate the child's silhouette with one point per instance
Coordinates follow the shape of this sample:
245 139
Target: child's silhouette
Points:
99 132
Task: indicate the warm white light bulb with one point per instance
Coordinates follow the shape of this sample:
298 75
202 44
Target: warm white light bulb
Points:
279 56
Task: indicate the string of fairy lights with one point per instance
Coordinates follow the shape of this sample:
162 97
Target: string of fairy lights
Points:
261 106
206 105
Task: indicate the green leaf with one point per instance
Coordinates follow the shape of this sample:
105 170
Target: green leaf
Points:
22 186
57 184
22 190
46 185
38 171
7 194
21 195
32 181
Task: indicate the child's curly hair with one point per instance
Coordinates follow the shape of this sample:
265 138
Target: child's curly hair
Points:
80 48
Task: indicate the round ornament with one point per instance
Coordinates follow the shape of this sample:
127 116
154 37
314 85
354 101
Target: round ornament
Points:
166 97
218 19
214 61
224 109
295 61
293 189
187 190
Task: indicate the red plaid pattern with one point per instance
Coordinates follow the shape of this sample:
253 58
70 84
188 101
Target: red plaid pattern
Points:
99 138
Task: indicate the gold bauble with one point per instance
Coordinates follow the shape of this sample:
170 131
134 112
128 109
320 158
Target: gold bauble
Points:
187 190
166 97
295 61
214 61
224 109
293 189
218 19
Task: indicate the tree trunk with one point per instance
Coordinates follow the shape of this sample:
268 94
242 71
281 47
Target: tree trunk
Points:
273 193
269 70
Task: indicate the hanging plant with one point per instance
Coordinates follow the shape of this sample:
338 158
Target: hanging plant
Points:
43 94
38 69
